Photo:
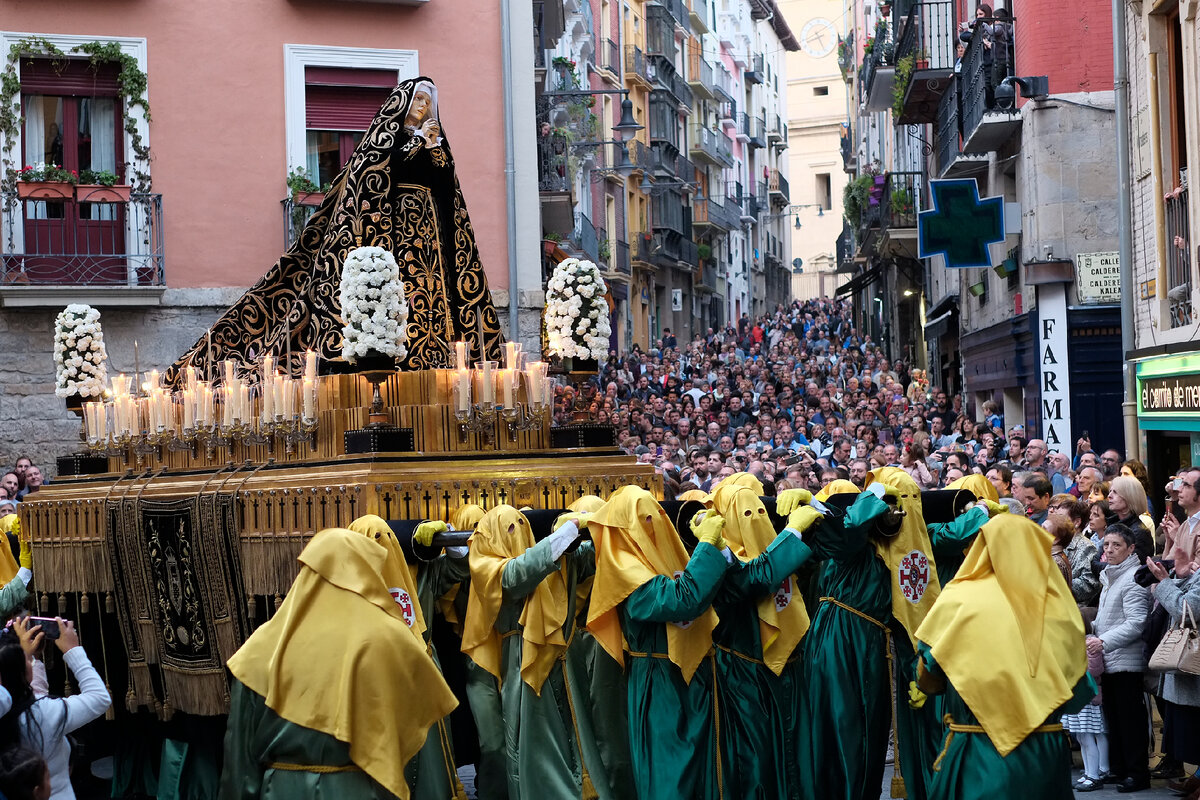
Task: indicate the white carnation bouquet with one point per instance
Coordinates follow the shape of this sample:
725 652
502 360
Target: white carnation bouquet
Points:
79 354
374 310
577 317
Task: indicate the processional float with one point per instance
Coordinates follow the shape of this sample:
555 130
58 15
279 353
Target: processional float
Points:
177 533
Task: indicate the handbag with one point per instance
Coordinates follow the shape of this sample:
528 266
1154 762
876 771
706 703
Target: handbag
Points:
1179 648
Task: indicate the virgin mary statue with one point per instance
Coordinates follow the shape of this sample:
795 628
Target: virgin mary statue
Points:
398 191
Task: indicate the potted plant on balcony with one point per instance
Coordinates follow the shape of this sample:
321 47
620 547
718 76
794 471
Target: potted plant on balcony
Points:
922 60
100 186
46 182
856 197
605 250
550 241
904 71
305 191
901 202
704 251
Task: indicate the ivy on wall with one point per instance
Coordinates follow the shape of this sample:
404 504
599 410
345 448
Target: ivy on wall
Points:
131 86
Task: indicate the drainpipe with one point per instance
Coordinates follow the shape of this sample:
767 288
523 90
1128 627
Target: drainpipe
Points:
510 162
1125 220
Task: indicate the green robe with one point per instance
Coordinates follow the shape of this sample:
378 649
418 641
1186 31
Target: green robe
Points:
846 711
759 709
598 689
673 735
257 737
972 769
920 731
542 737
431 774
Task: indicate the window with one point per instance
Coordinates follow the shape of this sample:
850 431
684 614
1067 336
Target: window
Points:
821 91
339 105
825 190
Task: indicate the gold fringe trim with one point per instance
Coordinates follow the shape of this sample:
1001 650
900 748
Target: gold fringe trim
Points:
192 692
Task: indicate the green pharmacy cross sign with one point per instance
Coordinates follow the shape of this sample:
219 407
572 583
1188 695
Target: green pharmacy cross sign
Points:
960 226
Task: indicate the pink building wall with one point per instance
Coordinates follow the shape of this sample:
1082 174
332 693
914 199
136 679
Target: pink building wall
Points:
216 96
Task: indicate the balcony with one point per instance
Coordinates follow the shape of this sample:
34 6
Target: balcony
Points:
621 260
641 245
607 158
77 243
951 161
849 154
678 12
663 158
743 127
985 126
758 132
1179 259
777 188
660 34
699 16
903 198
925 54
711 147
641 156
682 93
637 71
727 114
685 170
751 208
724 83
877 75
700 73
667 212
709 212
756 72
609 59
553 151
777 132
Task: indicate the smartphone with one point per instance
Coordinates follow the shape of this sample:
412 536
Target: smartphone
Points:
49 626
1087 436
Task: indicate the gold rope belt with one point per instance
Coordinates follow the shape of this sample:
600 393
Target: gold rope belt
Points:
635 654
320 769
856 613
795 656
954 727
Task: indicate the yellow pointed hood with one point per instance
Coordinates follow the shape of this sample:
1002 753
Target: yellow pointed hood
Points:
1009 608
466 517
908 554
503 534
782 618
840 486
396 572
739 480
338 658
635 541
9 523
588 504
977 485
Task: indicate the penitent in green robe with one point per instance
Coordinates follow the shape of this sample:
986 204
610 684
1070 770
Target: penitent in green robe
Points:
920 731
542 735
972 769
759 709
431 775
846 711
673 729
257 737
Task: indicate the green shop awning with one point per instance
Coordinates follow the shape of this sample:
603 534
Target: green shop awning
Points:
1168 393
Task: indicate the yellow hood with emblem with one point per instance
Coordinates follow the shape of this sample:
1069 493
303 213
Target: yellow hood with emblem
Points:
397 574
908 554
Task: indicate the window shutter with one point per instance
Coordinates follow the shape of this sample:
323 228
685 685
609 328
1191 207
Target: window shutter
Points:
338 99
77 78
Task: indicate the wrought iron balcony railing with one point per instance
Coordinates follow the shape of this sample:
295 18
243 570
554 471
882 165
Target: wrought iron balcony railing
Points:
77 242
712 146
1179 258
903 196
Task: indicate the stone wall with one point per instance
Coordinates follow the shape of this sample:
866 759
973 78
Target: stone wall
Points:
35 421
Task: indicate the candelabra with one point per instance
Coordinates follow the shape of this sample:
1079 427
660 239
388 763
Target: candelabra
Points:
478 418
521 417
147 444
184 442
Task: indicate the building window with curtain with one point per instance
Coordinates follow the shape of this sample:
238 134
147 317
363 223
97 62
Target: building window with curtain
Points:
340 104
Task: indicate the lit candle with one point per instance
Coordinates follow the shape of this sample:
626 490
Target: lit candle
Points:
191 378
189 409
153 379
227 407
267 389
137 369
102 421
230 372
510 355
460 355
310 399
243 402
464 389
206 404
310 366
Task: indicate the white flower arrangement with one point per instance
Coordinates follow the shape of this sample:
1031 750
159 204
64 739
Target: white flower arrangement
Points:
374 309
79 354
577 317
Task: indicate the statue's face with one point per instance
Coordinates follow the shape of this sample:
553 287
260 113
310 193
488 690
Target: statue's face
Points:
420 105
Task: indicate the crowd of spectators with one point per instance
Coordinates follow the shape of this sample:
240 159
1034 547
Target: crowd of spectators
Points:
800 398
25 477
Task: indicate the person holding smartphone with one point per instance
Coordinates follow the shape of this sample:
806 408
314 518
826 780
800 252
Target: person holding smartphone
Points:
42 723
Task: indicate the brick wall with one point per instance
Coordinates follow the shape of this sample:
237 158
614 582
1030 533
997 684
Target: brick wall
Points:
1070 42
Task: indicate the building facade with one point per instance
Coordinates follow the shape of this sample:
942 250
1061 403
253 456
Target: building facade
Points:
685 213
239 96
1022 104
1161 47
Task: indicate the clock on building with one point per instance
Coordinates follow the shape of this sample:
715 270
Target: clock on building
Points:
818 37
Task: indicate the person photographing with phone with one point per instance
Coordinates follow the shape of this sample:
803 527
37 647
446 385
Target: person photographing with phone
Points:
41 722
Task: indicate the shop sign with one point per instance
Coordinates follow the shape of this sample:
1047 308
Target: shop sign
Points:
1174 394
1098 278
1054 367
1168 393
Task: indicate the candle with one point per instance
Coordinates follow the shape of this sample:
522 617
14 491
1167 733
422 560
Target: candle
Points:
243 402
310 399
506 387
206 404
487 389
210 360
101 421
189 409
136 365
191 378
153 379
230 372
464 388
460 355
310 366
227 407
267 388
510 355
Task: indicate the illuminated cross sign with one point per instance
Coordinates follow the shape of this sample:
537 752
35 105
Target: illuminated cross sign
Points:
960 226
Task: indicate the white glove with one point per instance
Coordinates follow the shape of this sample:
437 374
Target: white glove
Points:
562 539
